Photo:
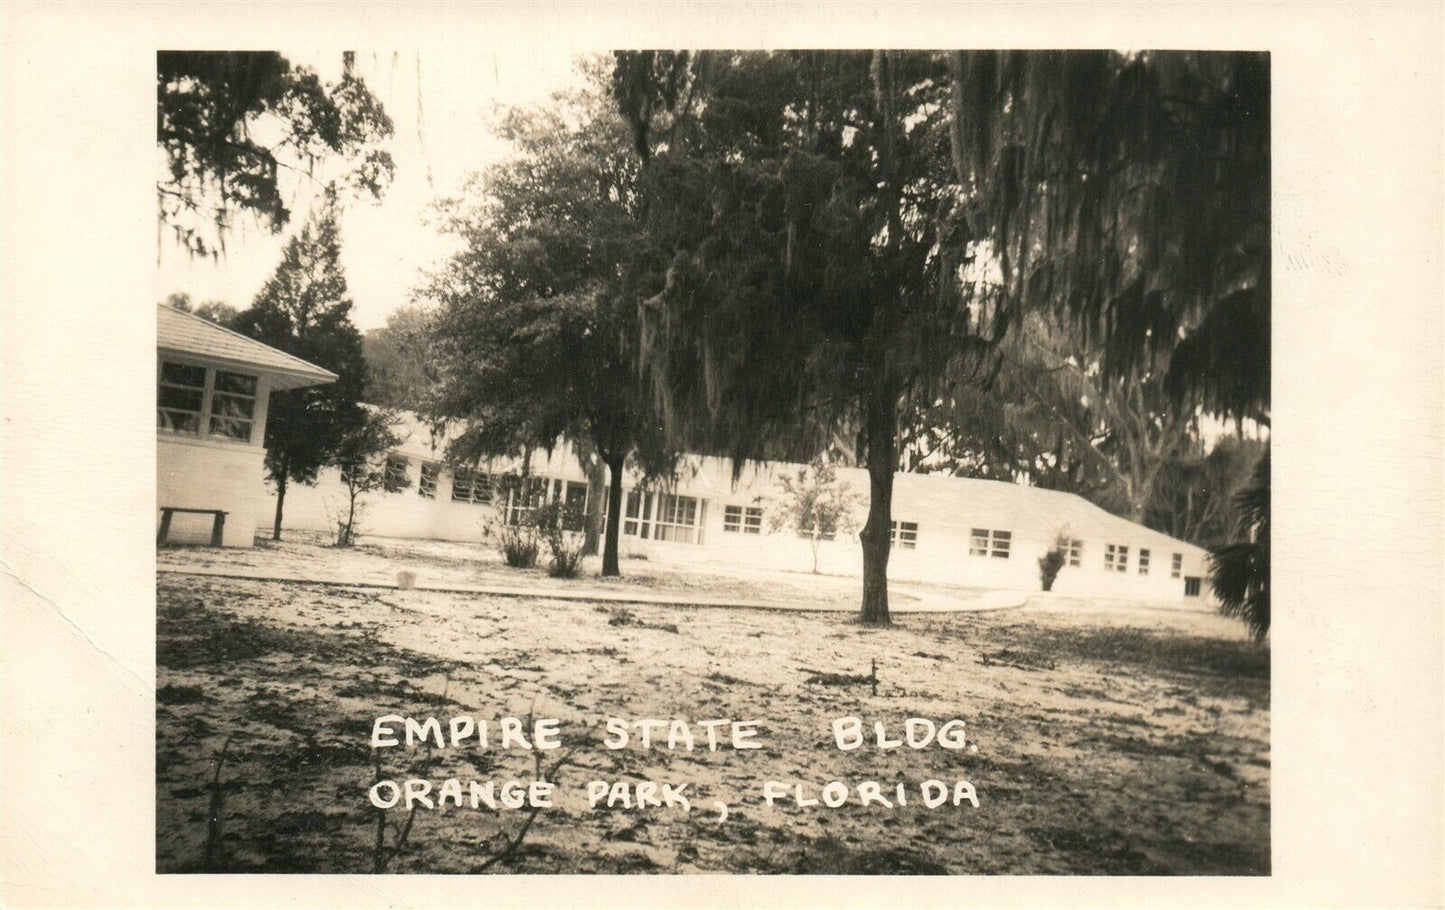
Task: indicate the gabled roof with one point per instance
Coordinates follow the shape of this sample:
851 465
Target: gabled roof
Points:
184 333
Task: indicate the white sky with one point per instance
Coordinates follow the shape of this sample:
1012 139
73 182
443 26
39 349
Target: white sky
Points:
386 245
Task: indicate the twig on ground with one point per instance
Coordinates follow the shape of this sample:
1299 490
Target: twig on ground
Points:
214 859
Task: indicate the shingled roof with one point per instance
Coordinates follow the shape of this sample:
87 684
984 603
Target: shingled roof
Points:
184 333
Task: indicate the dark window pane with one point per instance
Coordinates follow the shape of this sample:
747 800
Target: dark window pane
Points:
231 428
231 406
178 422
239 383
180 399
183 374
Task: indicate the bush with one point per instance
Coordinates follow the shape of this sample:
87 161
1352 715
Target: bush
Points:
566 546
1050 564
1239 571
518 544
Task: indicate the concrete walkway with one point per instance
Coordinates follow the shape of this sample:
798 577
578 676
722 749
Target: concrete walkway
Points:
909 600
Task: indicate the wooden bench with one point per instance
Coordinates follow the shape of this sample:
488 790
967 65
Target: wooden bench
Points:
218 526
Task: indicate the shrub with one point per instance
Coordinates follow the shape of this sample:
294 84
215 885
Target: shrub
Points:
517 543
1050 564
1239 571
566 546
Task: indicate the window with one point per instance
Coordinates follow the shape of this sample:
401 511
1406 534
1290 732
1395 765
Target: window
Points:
903 534
427 486
1143 562
233 402
395 479
180 398
1074 551
527 494
1191 586
637 514
471 485
574 506
743 519
1176 568
983 542
676 518
190 397
1116 558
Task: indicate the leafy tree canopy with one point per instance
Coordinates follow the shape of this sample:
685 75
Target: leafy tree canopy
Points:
1130 191
230 121
400 362
217 311
536 332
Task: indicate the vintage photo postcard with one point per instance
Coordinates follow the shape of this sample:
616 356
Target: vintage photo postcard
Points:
594 458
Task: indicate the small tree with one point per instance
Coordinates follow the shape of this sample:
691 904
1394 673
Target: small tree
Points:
816 504
304 309
1052 561
361 456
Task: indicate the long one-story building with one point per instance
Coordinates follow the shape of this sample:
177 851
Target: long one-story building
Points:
946 529
212 388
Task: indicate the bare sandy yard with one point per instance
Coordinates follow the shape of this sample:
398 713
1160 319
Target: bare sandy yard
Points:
1110 739
443 563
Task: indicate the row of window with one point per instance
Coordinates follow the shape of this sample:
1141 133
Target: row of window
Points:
1116 559
666 516
749 520
205 401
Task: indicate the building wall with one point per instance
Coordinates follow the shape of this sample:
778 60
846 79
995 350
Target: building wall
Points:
207 472
202 474
940 554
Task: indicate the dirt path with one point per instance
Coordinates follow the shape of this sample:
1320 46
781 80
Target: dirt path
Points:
1109 739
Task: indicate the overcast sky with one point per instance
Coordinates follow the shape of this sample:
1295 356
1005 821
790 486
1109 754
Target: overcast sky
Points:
386 245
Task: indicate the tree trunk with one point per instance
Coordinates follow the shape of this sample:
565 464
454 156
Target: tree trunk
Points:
880 426
280 502
815 549
350 520
610 567
592 530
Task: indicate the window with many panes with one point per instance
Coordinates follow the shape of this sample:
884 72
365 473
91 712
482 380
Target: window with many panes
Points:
395 479
471 485
637 514
743 519
1074 551
676 518
525 496
426 487
1116 558
985 542
1176 568
1191 587
1143 562
903 534
195 400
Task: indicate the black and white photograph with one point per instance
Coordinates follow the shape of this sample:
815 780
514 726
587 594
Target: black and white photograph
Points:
789 462
608 452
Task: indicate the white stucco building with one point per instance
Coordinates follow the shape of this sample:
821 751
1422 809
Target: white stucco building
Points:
212 389
947 529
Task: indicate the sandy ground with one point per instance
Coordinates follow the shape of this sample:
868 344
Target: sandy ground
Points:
434 562
1110 739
